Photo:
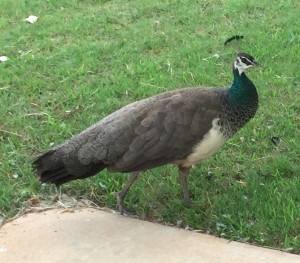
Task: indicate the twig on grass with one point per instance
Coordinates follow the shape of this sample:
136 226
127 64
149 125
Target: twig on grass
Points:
38 114
11 133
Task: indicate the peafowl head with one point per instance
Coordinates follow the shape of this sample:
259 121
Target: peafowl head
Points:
244 61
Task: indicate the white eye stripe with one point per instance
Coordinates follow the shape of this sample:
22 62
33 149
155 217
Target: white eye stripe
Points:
247 60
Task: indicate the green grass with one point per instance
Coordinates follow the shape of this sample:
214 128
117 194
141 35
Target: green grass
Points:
84 59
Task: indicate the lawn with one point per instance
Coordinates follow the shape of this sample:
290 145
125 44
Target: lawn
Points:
82 60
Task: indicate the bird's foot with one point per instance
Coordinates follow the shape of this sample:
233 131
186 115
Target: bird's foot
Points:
188 199
187 196
120 203
121 195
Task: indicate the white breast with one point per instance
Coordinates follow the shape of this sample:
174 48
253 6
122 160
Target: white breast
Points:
210 144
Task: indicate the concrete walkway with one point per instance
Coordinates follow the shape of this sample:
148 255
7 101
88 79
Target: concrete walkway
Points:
90 235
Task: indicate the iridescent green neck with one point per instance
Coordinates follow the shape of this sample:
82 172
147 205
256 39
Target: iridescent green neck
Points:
242 90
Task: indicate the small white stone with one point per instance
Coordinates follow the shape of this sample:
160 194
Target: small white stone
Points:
3 58
216 55
187 227
220 224
103 186
210 175
3 249
179 223
31 19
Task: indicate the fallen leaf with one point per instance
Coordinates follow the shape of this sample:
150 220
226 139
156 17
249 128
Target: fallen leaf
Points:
35 201
68 210
200 31
199 230
31 19
245 184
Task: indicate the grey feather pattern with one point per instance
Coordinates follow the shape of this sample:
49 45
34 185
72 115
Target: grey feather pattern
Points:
143 134
165 126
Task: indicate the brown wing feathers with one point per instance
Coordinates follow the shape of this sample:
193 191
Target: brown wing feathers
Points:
140 136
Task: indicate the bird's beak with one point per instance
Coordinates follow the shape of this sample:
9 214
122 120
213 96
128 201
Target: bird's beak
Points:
256 64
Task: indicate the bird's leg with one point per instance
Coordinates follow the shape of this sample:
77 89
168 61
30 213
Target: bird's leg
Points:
57 196
121 195
183 173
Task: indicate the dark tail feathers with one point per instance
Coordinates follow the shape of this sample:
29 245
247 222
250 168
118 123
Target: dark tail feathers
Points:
51 168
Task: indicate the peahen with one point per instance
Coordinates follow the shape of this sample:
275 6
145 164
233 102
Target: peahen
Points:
182 126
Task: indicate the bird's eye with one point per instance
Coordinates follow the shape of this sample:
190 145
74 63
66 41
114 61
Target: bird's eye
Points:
243 60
